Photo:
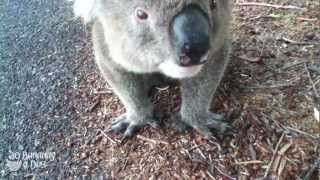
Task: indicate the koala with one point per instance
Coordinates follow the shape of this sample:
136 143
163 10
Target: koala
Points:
139 44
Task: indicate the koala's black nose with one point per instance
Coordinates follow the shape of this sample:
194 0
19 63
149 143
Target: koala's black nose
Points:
190 35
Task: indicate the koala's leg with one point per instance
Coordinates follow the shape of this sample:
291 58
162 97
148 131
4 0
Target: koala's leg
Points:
133 91
197 93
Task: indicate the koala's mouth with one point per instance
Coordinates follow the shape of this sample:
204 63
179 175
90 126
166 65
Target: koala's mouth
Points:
179 72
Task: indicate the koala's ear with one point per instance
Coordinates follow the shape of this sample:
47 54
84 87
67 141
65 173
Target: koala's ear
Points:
86 9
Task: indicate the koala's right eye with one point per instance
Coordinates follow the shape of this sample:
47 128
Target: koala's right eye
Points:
141 14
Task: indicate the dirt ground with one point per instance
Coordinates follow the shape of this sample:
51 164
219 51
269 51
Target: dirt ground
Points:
56 101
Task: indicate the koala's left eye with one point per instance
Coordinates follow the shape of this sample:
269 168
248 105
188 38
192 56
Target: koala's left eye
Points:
141 14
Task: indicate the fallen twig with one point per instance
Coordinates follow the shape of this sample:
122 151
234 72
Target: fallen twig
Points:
106 136
152 140
288 66
224 174
109 92
199 150
270 5
298 43
249 162
289 129
311 81
314 167
125 164
301 132
307 19
249 59
268 87
277 161
93 106
282 166
210 175
273 156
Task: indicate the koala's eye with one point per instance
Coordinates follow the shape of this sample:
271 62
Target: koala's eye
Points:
141 14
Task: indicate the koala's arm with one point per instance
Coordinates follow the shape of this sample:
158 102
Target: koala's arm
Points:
197 93
131 88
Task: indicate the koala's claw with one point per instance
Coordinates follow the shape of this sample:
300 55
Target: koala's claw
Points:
182 127
208 125
207 132
130 127
130 132
220 127
119 124
208 129
122 123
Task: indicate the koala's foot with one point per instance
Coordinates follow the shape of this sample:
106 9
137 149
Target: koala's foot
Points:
208 124
181 126
131 125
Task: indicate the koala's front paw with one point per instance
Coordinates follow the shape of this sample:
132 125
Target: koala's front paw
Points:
181 126
131 125
207 124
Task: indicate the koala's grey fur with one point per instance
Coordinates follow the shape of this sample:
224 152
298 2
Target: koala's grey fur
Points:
129 55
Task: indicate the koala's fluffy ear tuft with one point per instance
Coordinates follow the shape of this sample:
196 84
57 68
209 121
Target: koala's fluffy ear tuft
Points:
86 9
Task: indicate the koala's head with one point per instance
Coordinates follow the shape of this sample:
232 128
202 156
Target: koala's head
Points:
175 37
